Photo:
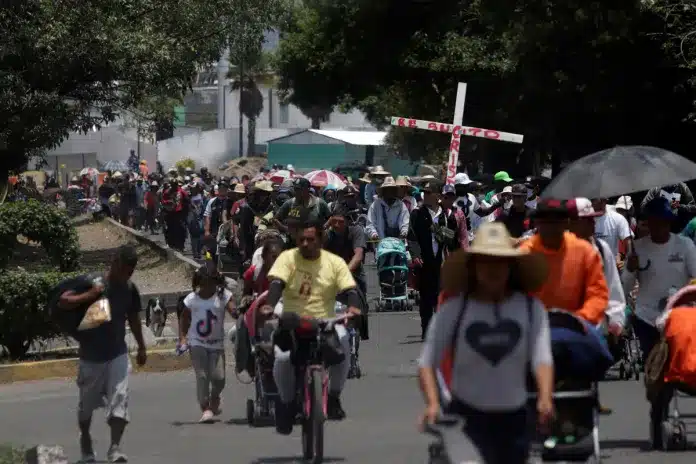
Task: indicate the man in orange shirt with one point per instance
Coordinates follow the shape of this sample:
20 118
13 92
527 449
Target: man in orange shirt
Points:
576 276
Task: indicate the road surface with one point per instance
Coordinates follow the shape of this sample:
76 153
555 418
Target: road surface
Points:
381 427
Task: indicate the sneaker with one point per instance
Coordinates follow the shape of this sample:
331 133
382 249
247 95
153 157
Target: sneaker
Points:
86 449
215 406
207 417
115 454
333 407
605 411
284 417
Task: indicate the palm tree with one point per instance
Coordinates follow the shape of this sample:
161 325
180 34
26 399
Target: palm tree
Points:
248 76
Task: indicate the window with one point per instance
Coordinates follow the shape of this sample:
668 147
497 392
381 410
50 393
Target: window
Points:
284 114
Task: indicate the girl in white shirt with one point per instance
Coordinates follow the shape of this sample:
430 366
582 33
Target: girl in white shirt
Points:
202 329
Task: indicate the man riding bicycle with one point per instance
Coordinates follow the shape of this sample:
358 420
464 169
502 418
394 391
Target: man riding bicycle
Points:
309 280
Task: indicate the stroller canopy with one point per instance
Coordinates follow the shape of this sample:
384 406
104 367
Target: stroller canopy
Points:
391 254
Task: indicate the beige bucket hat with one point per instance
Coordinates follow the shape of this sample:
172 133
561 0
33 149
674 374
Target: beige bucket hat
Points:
493 239
389 182
263 186
239 188
402 181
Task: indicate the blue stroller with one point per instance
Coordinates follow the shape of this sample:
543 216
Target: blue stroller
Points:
392 269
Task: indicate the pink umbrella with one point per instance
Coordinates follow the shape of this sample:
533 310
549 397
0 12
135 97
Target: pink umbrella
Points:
279 176
322 178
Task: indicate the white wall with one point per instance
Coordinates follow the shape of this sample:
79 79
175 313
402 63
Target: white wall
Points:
211 148
273 117
109 143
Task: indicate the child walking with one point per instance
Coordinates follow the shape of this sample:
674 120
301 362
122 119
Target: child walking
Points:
202 329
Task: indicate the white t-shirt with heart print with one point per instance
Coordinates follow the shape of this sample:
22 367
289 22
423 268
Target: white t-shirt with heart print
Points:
207 320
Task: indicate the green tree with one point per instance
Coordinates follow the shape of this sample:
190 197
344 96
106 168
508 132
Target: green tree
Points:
572 76
299 64
252 72
69 65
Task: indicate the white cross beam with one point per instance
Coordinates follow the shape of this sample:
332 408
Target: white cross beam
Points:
457 130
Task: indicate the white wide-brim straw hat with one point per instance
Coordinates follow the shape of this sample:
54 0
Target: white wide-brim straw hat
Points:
402 181
389 182
379 171
493 239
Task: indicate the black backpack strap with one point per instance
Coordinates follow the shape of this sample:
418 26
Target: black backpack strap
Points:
457 325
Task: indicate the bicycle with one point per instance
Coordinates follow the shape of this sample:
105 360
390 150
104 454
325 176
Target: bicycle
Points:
354 371
310 366
451 445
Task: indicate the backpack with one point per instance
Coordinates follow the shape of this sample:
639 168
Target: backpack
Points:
68 320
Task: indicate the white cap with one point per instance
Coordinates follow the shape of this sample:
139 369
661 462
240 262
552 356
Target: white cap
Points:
462 179
290 167
507 189
624 202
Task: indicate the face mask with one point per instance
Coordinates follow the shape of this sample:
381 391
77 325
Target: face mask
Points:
507 205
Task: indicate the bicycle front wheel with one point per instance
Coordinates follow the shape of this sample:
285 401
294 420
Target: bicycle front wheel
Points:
316 414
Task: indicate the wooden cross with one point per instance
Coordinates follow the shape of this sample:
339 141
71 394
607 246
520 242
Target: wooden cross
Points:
457 130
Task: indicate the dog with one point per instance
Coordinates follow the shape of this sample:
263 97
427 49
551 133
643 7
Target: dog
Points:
156 316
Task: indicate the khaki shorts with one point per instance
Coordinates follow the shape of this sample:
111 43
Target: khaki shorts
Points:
103 385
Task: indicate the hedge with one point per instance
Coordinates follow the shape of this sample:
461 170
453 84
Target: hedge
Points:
23 315
11 455
42 223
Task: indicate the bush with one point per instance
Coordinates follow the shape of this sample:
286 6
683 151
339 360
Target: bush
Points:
23 315
42 223
11 455
181 165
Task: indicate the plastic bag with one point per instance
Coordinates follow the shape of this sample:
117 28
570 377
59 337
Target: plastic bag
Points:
97 314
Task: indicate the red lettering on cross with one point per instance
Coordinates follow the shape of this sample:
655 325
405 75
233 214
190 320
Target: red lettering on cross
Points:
491 134
444 127
401 122
451 171
412 123
454 146
475 131
432 126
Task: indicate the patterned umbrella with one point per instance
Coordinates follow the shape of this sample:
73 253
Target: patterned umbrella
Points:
114 166
89 172
322 178
279 176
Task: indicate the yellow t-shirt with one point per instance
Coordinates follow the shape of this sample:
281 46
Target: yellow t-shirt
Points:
311 286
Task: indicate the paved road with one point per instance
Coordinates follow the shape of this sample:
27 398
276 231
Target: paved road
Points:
382 408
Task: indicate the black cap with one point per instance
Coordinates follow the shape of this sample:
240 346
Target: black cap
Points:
302 183
519 190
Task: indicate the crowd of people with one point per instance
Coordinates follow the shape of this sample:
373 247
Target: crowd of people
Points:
497 257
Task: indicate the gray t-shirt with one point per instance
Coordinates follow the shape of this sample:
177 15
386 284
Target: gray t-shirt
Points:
107 341
493 350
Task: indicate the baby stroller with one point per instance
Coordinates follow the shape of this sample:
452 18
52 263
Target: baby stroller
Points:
670 368
627 352
581 358
392 268
260 409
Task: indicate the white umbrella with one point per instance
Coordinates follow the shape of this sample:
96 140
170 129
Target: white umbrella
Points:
323 178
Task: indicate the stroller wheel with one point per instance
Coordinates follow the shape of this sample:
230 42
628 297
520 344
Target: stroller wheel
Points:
358 372
622 372
668 436
636 371
251 413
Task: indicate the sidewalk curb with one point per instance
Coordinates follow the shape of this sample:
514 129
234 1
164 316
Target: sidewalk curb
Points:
165 252
157 361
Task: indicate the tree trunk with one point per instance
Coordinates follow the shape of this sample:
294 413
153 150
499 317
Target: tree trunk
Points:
316 123
251 136
4 189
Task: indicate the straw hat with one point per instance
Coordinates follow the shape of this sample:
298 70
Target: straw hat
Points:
493 239
117 175
379 171
366 178
239 188
402 181
389 182
263 186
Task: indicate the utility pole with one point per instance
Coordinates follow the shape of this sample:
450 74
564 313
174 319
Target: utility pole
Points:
241 116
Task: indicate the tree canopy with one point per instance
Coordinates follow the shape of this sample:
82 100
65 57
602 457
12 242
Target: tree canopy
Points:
573 76
68 65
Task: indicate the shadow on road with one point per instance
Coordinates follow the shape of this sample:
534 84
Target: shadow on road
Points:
411 342
290 460
642 445
186 423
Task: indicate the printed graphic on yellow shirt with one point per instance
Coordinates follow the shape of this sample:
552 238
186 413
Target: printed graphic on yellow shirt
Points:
311 286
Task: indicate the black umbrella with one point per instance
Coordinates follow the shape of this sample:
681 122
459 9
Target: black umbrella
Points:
620 171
